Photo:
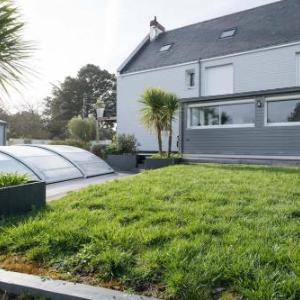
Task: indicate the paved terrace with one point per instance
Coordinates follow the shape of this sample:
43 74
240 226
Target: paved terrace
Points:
58 190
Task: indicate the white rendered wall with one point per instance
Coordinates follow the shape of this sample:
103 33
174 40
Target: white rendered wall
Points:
131 87
261 70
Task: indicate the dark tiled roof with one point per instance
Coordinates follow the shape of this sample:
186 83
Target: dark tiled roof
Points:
273 24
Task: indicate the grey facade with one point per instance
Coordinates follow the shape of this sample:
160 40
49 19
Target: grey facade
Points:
3 127
259 140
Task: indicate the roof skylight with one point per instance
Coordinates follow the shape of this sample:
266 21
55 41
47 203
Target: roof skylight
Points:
228 33
165 47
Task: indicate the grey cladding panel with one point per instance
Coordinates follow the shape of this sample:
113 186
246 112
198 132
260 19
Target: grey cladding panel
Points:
258 140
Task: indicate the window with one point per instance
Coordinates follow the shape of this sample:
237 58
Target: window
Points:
165 48
227 114
190 78
228 33
298 68
218 80
283 112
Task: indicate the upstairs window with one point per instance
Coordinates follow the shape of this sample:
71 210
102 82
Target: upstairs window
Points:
298 68
190 78
228 33
218 80
165 48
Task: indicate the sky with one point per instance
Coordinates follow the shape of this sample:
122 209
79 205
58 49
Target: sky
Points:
69 34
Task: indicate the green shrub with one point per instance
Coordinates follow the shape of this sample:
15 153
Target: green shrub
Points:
112 149
99 150
72 142
123 143
9 179
165 156
82 129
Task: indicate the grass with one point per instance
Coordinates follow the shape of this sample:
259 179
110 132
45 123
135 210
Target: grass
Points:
183 232
10 179
8 296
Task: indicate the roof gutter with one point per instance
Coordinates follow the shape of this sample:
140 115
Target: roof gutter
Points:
251 94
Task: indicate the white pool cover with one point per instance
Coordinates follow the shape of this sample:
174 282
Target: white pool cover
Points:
51 163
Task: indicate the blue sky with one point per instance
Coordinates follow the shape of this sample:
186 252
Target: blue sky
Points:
71 33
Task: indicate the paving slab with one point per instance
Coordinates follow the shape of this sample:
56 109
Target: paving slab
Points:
57 190
18 283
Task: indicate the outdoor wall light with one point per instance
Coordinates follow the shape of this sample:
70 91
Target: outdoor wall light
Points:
259 103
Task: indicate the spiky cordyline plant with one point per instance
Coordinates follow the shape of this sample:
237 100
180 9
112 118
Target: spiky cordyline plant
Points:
153 116
14 51
171 106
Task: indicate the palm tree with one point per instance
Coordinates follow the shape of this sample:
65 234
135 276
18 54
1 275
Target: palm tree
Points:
171 105
13 49
153 117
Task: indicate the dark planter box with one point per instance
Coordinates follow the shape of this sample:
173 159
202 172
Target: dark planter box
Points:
22 198
122 162
152 163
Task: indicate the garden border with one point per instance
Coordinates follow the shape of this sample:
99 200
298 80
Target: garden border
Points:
19 283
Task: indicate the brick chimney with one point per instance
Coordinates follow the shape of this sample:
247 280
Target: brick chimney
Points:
155 29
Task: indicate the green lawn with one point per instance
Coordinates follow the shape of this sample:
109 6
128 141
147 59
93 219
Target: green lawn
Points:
177 233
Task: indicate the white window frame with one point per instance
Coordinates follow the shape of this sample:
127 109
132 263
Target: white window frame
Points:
218 66
224 33
297 68
187 79
165 47
246 101
279 98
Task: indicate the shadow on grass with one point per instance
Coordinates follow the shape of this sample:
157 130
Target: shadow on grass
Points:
14 220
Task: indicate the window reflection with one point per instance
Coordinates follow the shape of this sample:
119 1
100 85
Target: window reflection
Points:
283 111
225 114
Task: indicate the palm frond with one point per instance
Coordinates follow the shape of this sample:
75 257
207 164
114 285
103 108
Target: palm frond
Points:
14 51
153 116
171 105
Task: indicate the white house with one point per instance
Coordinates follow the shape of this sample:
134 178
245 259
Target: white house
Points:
3 126
238 78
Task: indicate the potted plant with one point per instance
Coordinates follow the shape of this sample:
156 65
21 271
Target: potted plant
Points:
158 114
18 194
121 154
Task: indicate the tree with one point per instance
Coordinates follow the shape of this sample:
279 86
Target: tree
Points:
295 115
153 116
77 96
14 51
98 84
170 107
65 103
27 124
82 129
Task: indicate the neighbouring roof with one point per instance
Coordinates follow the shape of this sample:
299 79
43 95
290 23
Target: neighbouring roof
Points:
2 122
273 24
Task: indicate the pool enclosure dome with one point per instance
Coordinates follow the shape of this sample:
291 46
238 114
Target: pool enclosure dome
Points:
51 163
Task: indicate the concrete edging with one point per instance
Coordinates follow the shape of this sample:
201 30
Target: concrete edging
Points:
19 283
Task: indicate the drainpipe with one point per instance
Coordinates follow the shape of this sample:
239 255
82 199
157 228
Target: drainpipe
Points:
199 79
181 128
